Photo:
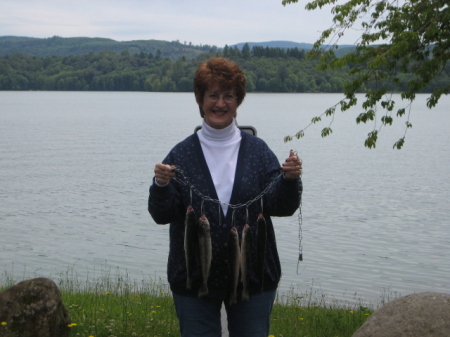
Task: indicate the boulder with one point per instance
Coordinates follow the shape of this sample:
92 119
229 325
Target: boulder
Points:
416 315
33 308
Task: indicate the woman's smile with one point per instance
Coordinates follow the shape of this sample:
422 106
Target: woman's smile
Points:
219 107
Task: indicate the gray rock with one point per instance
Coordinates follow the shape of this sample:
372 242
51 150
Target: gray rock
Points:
33 308
416 315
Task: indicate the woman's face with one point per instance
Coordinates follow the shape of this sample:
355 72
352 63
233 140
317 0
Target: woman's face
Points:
219 107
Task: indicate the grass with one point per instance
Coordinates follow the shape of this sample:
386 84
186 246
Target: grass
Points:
324 320
131 314
115 306
138 314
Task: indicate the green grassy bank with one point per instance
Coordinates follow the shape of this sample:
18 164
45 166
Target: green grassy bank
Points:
115 306
101 314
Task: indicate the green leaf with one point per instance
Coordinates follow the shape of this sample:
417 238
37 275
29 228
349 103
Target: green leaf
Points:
287 139
326 132
365 116
387 120
300 134
371 140
388 105
330 111
400 112
399 143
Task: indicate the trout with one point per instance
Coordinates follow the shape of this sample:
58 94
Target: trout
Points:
246 260
234 256
261 241
205 253
190 244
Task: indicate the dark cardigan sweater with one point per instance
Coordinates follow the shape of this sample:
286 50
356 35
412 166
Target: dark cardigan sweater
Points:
256 168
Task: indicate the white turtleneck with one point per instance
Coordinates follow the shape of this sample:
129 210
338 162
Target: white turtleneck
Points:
220 148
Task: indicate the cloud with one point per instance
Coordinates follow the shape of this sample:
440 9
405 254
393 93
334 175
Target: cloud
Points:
198 21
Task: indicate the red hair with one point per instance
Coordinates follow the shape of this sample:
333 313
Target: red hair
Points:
220 71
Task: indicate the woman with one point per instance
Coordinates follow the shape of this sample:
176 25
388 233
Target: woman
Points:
223 164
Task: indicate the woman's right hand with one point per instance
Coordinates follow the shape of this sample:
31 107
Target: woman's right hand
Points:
163 173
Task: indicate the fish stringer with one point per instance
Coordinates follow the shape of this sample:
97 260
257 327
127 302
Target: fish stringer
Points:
300 230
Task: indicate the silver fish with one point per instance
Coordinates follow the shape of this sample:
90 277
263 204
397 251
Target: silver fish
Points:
261 241
234 257
205 253
190 244
246 260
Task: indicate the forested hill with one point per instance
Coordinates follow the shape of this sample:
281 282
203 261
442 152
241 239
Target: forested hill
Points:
340 51
60 46
91 66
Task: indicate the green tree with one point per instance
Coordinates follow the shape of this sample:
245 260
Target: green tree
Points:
398 38
336 84
246 51
167 85
283 72
226 51
178 71
262 85
185 84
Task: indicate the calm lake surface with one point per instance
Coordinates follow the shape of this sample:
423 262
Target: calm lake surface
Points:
75 168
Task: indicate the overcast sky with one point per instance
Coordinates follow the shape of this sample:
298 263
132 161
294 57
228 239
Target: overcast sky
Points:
198 21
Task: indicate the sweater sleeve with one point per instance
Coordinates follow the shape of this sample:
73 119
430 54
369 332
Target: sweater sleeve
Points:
284 197
164 202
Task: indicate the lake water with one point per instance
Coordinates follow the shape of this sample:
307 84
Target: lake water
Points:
75 168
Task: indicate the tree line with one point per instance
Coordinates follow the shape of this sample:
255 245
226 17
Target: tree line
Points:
266 69
67 46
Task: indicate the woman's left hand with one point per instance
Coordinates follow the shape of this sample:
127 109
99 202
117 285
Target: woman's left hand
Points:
292 167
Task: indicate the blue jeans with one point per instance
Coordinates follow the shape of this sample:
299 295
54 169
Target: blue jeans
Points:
201 317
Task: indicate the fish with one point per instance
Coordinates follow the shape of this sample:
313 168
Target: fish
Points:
234 257
190 244
205 253
246 260
261 241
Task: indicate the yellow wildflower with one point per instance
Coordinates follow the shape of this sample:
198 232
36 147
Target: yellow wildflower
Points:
4 323
71 325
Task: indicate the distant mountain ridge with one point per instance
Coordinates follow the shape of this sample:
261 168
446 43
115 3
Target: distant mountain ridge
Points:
282 44
60 46
341 51
275 44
